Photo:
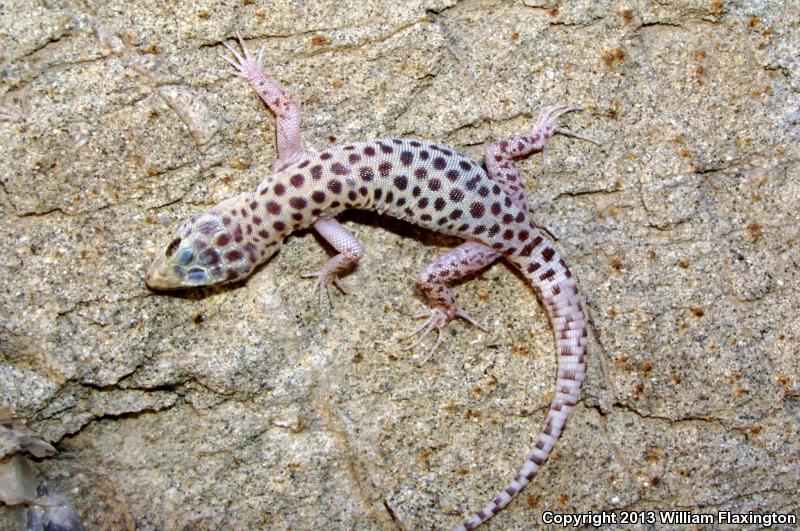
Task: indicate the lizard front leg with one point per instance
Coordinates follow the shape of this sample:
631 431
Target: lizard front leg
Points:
287 112
350 252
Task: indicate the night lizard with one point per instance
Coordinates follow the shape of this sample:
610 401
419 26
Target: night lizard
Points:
426 184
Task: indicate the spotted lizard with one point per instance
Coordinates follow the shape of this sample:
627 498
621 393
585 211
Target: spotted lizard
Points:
427 184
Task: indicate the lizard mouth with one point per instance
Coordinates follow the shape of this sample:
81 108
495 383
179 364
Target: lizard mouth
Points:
161 276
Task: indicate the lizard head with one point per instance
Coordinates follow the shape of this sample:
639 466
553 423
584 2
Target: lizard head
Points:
206 249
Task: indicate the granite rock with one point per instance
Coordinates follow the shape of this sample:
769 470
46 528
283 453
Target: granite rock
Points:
252 406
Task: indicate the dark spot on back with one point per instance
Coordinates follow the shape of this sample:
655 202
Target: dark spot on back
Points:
366 173
339 169
335 186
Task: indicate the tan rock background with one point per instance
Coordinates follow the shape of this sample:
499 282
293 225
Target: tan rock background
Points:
253 406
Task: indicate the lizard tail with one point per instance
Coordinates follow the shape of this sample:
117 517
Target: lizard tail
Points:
558 291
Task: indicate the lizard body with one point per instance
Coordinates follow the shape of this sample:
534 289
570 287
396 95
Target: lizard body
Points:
426 184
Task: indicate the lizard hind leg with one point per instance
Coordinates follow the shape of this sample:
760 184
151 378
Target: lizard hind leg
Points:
458 263
500 155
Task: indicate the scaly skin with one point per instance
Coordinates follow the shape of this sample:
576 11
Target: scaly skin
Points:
424 183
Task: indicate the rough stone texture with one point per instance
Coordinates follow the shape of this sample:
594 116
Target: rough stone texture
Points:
252 406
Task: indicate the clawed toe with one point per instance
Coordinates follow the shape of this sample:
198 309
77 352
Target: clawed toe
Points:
566 132
547 124
431 323
436 319
243 63
553 113
461 314
323 285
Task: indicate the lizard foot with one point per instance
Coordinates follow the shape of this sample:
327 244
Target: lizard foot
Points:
244 66
546 125
323 284
436 319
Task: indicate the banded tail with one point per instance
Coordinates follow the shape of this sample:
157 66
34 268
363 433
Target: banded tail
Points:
558 291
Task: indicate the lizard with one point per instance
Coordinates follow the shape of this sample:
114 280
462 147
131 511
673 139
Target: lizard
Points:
424 183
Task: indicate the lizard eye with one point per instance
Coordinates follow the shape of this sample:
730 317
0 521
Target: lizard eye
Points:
172 247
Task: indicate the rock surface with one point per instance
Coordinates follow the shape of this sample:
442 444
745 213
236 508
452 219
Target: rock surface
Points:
253 407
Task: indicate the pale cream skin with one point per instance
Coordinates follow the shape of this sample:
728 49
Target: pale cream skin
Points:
424 183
